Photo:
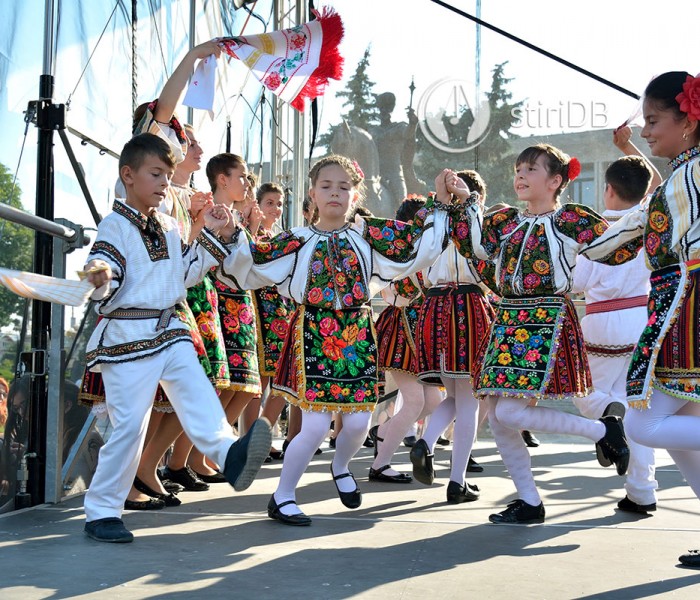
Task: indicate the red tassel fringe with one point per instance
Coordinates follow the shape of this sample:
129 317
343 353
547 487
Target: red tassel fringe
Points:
331 62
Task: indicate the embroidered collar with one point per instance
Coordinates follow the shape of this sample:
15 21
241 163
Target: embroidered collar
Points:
131 214
684 157
329 233
528 215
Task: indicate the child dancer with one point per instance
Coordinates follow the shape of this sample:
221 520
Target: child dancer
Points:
329 360
141 269
616 299
453 320
535 348
396 335
664 374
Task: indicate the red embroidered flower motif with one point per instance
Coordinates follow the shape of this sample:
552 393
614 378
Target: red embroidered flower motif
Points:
298 41
574 168
689 98
273 81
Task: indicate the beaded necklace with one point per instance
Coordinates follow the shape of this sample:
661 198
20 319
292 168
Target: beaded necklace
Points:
684 157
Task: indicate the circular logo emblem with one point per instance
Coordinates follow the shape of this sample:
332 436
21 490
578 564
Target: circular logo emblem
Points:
452 117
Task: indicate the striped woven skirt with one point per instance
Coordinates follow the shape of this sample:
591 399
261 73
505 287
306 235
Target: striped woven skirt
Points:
396 329
452 322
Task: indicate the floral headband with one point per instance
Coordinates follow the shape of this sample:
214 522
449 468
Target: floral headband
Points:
357 168
574 168
689 98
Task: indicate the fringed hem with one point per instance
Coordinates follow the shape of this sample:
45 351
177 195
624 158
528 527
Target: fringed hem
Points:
307 406
530 394
330 60
245 387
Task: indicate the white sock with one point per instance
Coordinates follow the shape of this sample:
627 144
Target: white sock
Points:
514 453
467 409
348 442
440 420
314 427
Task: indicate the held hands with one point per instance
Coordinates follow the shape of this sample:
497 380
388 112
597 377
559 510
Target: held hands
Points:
253 216
216 217
231 226
457 186
98 273
198 201
441 193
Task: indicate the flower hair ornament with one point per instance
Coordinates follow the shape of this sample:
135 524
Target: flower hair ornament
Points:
689 99
574 168
357 168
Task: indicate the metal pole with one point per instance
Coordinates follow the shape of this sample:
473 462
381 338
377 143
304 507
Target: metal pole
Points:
43 258
300 143
193 34
10 213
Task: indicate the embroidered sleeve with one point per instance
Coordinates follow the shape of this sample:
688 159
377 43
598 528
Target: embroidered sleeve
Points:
407 288
596 239
478 236
107 248
202 255
487 272
283 244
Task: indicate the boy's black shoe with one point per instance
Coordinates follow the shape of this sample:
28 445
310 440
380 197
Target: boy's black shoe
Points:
473 466
108 530
628 505
186 478
247 454
690 559
519 511
612 447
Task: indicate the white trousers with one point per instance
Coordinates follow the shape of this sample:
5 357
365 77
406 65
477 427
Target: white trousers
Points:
609 380
129 389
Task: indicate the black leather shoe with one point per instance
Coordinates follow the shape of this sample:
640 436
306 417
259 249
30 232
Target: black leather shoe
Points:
247 454
379 475
186 478
168 499
409 441
350 499
441 441
690 559
273 511
456 494
368 443
530 440
108 530
215 478
519 511
374 436
628 505
150 504
422 461
616 409
612 447
331 442
473 466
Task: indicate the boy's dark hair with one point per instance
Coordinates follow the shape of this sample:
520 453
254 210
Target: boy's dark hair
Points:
629 176
409 207
475 182
662 91
222 164
268 187
556 161
140 146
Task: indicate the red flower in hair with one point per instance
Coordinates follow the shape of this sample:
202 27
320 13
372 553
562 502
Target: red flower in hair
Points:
689 98
357 168
574 168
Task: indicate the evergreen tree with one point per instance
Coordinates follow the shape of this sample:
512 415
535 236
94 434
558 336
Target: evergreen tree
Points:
492 158
16 247
359 99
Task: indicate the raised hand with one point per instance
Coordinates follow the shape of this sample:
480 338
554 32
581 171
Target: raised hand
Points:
98 273
441 193
216 217
457 186
198 201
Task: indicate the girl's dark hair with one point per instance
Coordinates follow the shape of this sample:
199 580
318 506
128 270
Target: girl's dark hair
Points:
663 89
268 187
475 181
350 167
409 207
556 162
222 164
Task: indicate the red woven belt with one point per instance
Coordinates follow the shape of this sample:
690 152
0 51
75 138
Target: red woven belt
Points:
618 304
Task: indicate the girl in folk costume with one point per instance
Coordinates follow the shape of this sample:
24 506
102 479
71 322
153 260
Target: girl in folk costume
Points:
329 360
453 320
662 382
396 338
535 348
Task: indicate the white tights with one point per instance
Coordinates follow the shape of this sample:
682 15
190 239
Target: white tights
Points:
673 424
418 402
314 427
461 406
507 416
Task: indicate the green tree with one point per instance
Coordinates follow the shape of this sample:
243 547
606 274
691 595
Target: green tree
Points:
16 248
493 158
361 108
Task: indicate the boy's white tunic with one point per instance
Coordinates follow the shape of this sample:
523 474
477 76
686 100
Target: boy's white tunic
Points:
610 338
136 251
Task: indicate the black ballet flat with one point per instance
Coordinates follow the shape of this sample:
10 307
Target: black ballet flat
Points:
374 436
349 499
169 499
150 504
273 511
379 475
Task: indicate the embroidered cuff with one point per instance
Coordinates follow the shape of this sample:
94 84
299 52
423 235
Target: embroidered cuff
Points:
213 244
